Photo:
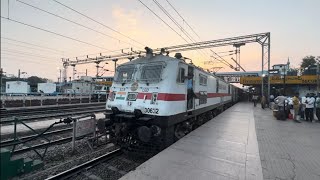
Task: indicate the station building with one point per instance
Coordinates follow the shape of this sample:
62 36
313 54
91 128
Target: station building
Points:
282 80
289 84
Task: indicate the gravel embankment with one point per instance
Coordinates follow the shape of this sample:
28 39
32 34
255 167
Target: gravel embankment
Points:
60 158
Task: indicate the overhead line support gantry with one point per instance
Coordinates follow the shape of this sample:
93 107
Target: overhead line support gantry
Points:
262 38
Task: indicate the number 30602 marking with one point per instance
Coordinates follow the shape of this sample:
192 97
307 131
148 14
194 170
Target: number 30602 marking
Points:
152 110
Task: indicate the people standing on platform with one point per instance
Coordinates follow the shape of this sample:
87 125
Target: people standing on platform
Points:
263 102
271 98
255 99
309 107
302 108
318 107
281 102
296 106
271 101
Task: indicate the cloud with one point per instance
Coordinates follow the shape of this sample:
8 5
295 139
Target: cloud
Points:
128 22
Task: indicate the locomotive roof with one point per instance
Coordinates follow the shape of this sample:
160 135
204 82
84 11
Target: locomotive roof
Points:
160 57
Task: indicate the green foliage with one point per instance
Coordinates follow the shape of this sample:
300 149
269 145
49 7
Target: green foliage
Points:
293 72
34 80
307 61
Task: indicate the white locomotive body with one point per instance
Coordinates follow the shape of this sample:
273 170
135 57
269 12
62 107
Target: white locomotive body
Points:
161 98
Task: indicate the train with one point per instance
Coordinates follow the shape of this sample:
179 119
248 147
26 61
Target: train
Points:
156 99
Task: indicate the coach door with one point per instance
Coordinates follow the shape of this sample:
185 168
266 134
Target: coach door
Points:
190 88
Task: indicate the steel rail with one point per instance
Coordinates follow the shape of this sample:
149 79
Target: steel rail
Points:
10 112
27 113
89 164
10 142
52 116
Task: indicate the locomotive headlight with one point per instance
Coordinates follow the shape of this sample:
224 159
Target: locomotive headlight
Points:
112 95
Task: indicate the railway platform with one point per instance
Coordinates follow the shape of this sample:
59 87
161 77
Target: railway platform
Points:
243 142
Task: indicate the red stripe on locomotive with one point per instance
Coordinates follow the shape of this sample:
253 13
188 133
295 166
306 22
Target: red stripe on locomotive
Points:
176 97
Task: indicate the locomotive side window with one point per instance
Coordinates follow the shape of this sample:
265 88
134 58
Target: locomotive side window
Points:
181 74
125 74
203 97
151 73
203 80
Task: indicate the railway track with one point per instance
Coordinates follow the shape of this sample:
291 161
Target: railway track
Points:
10 142
87 165
46 109
54 114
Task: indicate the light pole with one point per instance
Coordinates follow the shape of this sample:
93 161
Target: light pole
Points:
283 75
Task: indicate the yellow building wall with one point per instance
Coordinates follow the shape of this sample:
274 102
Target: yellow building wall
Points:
308 79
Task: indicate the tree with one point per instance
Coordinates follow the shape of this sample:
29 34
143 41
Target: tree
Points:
307 61
293 72
34 80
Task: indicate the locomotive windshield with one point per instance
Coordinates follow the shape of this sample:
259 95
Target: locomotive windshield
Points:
125 73
151 73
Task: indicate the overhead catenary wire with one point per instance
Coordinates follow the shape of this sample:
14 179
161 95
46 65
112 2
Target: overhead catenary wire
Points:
71 21
173 20
24 60
45 30
43 59
183 19
35 45
34 48
162 20
223 60
35 60
42 48
108 27
25 53
186 23
176 23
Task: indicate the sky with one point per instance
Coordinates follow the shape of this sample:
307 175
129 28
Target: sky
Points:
293 24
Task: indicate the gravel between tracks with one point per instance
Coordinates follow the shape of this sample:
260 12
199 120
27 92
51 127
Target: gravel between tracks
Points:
111 170
60 158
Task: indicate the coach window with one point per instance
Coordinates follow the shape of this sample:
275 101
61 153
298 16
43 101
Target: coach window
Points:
151 73
181 75
203 80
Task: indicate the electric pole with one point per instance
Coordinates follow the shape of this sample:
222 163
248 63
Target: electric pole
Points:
115 64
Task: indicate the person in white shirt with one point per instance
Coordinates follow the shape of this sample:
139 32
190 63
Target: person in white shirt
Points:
281 102
309 107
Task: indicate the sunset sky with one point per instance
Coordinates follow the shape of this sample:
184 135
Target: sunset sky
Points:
294 26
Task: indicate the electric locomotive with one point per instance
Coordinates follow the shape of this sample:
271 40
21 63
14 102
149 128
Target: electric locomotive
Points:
156 99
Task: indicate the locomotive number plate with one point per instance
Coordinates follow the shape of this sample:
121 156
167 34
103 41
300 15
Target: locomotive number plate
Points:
152 110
